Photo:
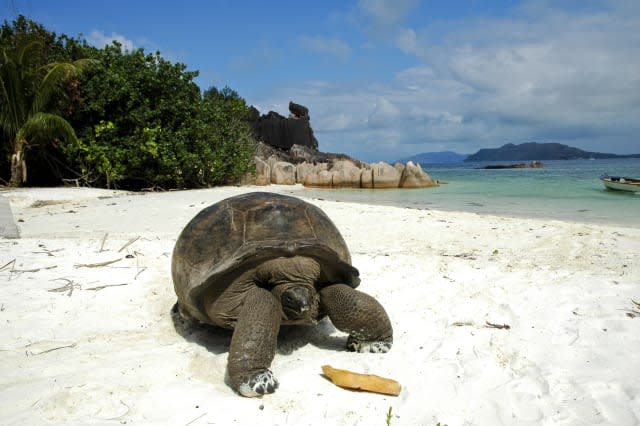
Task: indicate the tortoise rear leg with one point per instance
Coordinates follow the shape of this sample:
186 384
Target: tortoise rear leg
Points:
253 345
360 315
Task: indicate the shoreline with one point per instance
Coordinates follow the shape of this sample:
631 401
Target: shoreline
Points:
372 197
89 337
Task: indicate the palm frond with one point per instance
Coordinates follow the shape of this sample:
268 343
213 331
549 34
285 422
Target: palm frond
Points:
47 127
25 50
56 74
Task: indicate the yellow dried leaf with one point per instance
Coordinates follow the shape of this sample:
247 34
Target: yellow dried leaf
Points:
365 382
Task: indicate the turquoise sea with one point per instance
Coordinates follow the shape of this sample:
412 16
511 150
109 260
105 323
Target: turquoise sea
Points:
565 190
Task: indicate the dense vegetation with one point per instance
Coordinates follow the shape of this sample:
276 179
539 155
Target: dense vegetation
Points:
133 119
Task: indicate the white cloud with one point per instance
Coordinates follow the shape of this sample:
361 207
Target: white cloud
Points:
100 39
385 14
383 114
407 42
327 46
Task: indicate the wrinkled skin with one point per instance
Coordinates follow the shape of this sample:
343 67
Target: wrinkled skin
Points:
283 291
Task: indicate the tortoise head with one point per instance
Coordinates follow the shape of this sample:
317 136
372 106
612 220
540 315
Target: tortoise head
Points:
299 301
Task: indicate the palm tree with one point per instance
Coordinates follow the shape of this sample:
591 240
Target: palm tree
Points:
28 95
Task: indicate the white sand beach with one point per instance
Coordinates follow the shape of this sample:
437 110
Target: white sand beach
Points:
497 321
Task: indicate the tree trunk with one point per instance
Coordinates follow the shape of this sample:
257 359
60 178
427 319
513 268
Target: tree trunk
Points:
18 165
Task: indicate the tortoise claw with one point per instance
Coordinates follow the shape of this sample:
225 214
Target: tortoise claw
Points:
259 384
378 347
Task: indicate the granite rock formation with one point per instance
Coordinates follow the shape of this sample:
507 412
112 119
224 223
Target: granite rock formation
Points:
287 153
280 132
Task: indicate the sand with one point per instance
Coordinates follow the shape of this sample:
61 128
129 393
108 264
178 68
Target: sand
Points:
497 320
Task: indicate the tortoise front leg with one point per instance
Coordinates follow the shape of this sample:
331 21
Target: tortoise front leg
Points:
253 345
360 315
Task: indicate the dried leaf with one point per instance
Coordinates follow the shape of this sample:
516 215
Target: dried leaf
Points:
365 382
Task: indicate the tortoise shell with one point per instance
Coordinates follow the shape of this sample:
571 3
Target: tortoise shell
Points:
240 232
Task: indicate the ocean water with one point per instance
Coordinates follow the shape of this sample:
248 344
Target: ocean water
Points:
564 190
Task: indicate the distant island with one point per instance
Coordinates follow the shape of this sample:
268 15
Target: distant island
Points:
436 158
530 151
539 151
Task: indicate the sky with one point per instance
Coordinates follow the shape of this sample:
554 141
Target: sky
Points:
387 79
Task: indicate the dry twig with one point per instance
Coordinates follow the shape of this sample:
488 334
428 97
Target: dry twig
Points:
97 265
69 286
33 270
102 287
104 239
197 418
48 252
462 324
11 262
29 353
131 241
487 324
635 312
498 326
141 270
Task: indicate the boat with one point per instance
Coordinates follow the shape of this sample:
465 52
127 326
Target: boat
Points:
617 183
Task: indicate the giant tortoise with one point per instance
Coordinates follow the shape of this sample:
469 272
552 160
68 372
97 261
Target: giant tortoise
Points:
256 261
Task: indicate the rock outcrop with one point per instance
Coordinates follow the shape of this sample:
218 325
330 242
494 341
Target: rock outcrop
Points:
280 132
414 177
283 173
287 153
385 176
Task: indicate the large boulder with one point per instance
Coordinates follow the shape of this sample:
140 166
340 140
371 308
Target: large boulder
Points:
261 175
305 169
263 172
318 178
283 173
345 174
366 177
414 177
385 176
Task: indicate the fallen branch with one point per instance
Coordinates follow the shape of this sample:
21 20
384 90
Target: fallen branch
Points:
97 265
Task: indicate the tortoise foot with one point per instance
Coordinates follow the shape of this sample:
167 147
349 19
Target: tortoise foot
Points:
259 384
378 347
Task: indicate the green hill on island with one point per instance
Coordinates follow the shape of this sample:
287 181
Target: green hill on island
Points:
443 157
539 151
